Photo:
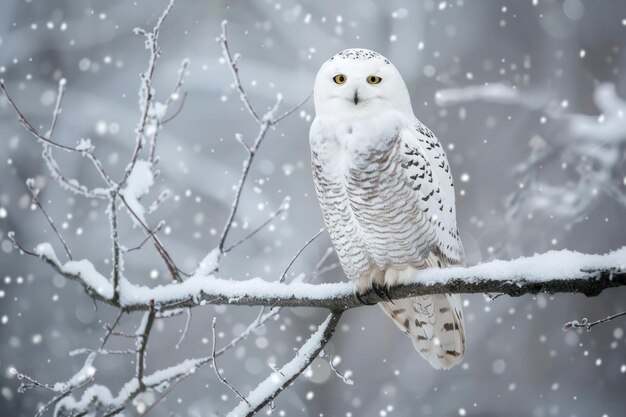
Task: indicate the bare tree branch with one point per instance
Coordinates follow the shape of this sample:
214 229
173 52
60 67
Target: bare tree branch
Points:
146 92
185 329
24 121
308 242
284 206
265 123
169 262
587 325
217 371
242 180
47 143
30 184
232 64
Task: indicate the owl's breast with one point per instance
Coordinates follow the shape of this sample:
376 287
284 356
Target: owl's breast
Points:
329 166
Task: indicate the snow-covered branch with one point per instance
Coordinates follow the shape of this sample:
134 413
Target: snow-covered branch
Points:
551 272
281 378
135 183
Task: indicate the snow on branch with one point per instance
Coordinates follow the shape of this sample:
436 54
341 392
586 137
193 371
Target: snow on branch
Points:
552 272
274 384
135 183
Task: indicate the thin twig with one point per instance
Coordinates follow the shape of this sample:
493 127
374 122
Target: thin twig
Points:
32 383
169 262
585 324
62 395
147 238
83 351
242 180
493 297
145 92
178 110
89 153
179 82
232 63
341 376
265 122
308 242
24 121
165 393
293 109
240 140
30 184
185 329
158 118
159 200
47 143
57 108
217 372
110 328
281 209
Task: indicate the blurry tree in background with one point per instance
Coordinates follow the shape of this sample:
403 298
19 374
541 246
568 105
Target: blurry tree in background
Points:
538 156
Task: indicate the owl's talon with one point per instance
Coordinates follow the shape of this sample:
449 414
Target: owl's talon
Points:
358 297
378 289
388 295
383 292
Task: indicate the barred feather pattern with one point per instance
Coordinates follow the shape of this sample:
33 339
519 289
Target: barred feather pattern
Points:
385 210
434 323
384 206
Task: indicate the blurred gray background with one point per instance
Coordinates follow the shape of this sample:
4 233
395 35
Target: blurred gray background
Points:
519 361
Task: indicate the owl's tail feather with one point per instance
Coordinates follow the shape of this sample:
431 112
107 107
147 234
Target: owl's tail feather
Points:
435 325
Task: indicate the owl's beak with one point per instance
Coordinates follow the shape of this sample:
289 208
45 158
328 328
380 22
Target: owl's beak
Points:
356 97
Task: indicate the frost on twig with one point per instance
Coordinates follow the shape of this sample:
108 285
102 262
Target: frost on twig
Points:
265 122
333 362
34 191
587 325
127 195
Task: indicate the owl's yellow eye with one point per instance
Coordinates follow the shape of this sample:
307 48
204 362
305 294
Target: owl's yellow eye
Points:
340 79
374 79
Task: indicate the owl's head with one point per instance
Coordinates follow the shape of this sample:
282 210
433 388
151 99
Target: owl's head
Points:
360 80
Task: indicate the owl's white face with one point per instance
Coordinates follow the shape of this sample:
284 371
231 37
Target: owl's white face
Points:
360 82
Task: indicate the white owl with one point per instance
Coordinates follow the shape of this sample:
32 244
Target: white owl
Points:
387 195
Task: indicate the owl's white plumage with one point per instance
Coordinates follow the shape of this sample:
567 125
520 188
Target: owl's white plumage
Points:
387 194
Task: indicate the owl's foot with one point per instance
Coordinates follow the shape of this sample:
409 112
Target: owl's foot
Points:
358 297
382 291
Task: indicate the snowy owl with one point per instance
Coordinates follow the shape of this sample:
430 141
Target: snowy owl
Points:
387 196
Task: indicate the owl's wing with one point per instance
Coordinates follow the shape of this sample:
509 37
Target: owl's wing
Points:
426 169
433 322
